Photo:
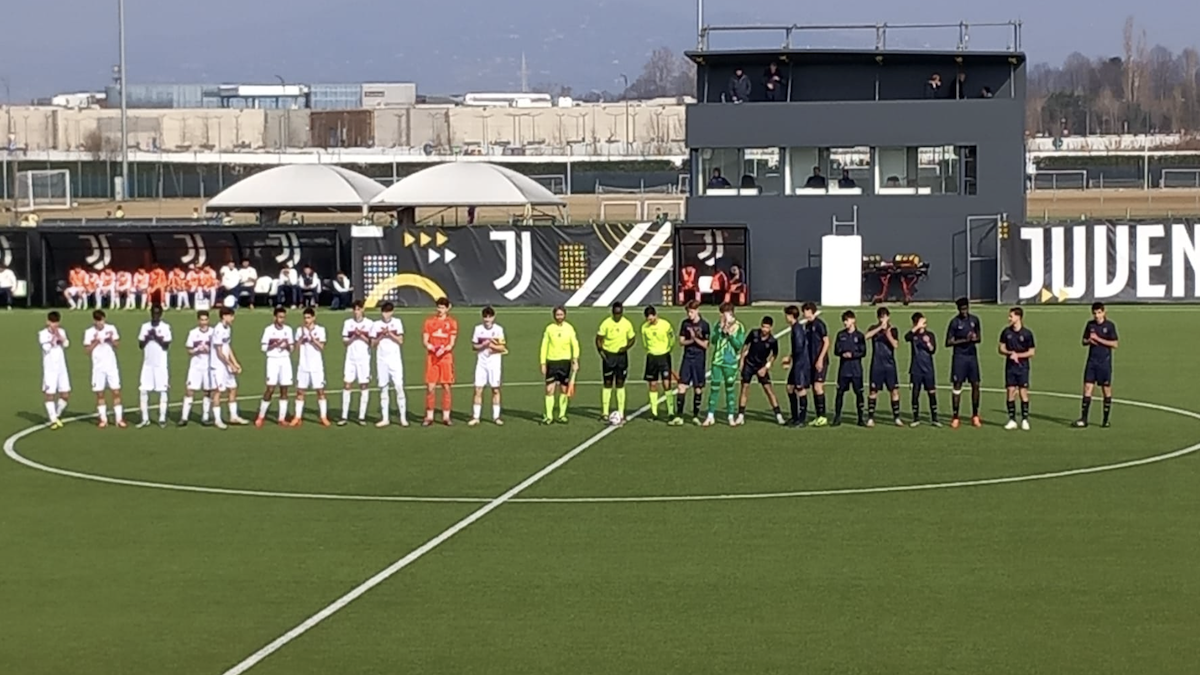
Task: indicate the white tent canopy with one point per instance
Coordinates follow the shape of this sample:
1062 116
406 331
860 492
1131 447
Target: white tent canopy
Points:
298 187
458 184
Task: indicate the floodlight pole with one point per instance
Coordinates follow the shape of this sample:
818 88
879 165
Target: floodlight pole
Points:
124 101
625 95
287 114
8 140
700 24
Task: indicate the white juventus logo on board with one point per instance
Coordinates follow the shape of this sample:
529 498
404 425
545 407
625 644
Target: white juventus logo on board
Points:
511 256
631 272
714 247
5 251
197 252
100 256
290 243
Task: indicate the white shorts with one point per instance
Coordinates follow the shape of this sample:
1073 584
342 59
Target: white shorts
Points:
222 379
388 374
106 378
199 378
310 380
357 371
56 381
487 374
279 372
154 379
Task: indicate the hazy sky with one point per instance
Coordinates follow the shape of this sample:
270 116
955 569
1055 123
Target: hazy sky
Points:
458 45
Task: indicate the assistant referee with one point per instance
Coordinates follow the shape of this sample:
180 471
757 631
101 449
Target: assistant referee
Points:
613 340
560 361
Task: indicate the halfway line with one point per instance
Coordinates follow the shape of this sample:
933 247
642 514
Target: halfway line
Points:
253 660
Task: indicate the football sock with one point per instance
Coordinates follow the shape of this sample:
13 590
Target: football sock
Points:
858 404
205 409
730 397
605 401
1024 409
1012 410
322 406
741 410
186 412
495 411
119 413
654 403
974 404
697 399
401 402
803 400
476 411
838 401
233 409
263 406
819 401
364 402
896 408
1085 407
144 405
956 403
346 404
933 406
669 400
102 410
447 403
283 408
429 403
871 403
621 400
216 412
1107 407
794 405
776 410
563 399
51 411
300 408
915 404
549 406
162 407
62 405
385 404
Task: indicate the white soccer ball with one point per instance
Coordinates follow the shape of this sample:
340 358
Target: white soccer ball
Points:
230 301
614 418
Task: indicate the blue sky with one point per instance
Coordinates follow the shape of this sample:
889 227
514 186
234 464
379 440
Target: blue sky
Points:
459 45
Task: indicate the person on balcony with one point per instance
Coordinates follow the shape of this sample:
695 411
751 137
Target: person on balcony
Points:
739 87
773 83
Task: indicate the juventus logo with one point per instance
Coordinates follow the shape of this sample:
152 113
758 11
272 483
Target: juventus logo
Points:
714 247
290 243
197 252
509 238
5 251
100 256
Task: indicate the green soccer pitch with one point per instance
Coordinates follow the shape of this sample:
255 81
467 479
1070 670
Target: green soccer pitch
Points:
586 549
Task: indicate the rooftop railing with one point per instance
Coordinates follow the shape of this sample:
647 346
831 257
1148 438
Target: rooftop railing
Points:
793 33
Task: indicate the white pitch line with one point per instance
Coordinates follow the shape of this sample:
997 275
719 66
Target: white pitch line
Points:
390 571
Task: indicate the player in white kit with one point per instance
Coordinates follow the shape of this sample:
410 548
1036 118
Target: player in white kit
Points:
154 339
199 375
277 344
489 345
224 368
310 341
56 384
356 335
101 342
388 334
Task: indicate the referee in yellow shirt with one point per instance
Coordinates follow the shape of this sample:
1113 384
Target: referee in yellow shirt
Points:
560 361
658 338
614 339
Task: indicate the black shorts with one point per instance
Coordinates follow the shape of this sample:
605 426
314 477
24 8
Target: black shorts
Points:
818 376
922 381
614 366
658 367
750 373
800 377
1017 376
964 369
883 377
558 371
1097 373
850 381
693 372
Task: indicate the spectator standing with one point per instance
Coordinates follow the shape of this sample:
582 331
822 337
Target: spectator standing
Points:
934 88
8 286
773 83
739 87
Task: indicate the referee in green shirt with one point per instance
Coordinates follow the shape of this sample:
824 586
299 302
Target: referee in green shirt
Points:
613 340
560 361
658 338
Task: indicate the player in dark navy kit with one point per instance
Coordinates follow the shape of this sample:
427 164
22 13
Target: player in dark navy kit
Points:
1017 347
1100 337
818 351
921 375
963 335
851 347
758 355
798 365
694 334
884 338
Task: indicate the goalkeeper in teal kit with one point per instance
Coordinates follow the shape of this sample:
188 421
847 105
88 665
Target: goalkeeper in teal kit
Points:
727 342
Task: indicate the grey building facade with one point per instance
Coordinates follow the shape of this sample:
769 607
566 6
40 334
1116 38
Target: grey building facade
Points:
913 168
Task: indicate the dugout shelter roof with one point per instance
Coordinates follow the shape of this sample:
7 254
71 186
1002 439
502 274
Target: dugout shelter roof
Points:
465 184
298 187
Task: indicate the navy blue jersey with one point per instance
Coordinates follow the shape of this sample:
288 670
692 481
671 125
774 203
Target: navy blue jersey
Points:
923 346
1099 354
883 354
760 348
817 333
801 358
854 344
697 329
960 329
1017 341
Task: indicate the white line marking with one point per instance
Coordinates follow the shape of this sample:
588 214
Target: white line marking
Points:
419 552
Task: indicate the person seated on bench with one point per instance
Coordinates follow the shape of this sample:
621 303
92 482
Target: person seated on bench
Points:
310 287
816 181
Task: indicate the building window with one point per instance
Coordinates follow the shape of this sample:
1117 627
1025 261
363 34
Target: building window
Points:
897 171
739 172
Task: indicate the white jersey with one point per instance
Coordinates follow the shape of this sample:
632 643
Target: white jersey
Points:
54 359
358 351
312 360
154 355
199 344
487 356
104 357
388 351
222 337
277 342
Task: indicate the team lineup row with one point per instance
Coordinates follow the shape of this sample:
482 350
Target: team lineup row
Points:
732 357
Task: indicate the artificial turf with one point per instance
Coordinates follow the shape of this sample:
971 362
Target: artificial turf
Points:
1091 573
